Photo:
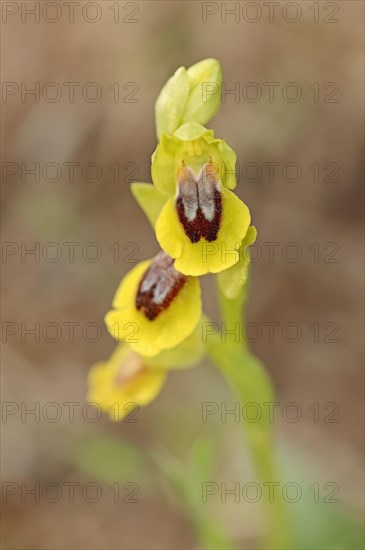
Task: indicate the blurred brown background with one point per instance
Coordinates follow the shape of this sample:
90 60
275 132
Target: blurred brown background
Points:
131 48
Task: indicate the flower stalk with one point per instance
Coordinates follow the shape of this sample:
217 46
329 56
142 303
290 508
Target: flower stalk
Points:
250 382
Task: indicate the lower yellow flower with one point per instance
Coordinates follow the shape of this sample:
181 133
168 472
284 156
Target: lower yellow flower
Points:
124 382
155 307
128 380
202 227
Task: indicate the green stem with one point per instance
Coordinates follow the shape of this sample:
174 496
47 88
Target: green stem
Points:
231 312
245 373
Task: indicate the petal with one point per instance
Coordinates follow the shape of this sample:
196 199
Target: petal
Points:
163 165
101 375
228 164
193 145
203 257
167 330
126 292
232 280
191 131
98 390
118 399
169 231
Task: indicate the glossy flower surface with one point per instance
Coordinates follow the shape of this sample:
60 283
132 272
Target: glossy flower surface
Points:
155 307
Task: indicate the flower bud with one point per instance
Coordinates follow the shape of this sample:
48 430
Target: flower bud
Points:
205 91
171 102
191 95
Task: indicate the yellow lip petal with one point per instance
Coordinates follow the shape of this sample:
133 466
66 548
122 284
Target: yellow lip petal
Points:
167 330
204 257
123 383
123 296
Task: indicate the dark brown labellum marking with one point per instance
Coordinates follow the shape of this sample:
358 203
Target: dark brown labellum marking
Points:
159 286
199 203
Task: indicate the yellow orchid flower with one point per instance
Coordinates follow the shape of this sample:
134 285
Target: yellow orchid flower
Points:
119 385
155 307
128 379
202 223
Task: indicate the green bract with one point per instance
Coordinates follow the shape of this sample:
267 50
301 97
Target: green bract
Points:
191 95
193 145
